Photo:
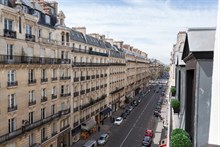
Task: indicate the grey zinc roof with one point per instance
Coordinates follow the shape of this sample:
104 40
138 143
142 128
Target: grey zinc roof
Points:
92 41
201 39
77 36
27 3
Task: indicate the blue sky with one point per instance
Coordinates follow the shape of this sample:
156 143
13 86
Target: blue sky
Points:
149 25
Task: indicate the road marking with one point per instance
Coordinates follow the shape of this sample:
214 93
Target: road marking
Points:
136 121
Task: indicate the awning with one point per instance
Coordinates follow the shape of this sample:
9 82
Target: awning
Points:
88 125
105 111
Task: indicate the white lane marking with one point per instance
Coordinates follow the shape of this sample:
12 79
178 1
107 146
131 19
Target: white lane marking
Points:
136 121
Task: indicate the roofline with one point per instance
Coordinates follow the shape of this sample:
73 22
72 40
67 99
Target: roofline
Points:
202 29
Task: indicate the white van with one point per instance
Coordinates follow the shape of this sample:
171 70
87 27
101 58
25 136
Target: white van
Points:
90 143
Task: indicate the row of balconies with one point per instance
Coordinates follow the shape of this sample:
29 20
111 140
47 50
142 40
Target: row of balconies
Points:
116 90
88 90
120 72
83 78
32 126
87 64
92 102
89 52
14 59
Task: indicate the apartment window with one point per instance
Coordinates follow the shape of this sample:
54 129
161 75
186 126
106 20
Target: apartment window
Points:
54 90
8 24
75 89
47 19
62 54
62 106
85 47
75 74
43 92
11 101
31 117
53 109
43 73
43 133
62 89
31 96
73 45
25 9
68 89
68 72
31 75
81 87
11 125
39 33
9 51
53 73
31 139
54 128
43 113
5 2
28 29
79 46
49 37
75 59
62 73
20 25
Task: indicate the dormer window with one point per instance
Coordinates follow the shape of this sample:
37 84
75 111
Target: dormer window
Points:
25 9
61 21
47 18
36 13
4 2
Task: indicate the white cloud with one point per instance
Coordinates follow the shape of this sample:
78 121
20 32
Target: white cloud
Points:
151 26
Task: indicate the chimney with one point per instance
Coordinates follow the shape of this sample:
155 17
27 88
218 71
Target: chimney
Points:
119 44
54 4
80 29
102 37
97 36
110 41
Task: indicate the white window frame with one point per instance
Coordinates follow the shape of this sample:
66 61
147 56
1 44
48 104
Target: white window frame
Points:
8 24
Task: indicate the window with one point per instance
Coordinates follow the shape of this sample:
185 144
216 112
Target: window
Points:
9 51
75 74
49 37
43 113
11 125
31 96
43 74
31 117
31 75
67 89
43 133
25 9
62 73
39 33
11 101
54 128
47 19
62 54
37 14
28 29
79 46
53 109
43 92
73 45
31 139
54 90
8 24
11 76
53 73
62 106
4 2
62 89
20 25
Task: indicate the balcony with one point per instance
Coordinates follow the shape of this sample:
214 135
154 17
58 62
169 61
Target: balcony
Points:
12 59
9 33
30 37
98 53
88 64
82 92
12 108
97 76
43 139
87 90
43 99
65 94
54 79
64 127
82 78
65 78
97 87
12 83
53 96
32 81
93 76
75 109
75 124
76 94
93 89
116 90
76 79
82 120
92 102
87 77
44 80
32 126
117 64
31 103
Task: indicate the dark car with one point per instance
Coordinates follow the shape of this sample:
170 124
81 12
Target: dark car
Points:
134 103
127 111
124 115
147 141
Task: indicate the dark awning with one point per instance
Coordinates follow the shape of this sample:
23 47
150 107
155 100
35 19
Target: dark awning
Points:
105 111
76 130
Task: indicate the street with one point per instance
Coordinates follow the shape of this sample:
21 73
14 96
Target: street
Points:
131 132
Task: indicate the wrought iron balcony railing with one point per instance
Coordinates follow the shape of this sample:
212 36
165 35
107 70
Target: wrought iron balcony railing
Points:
9 33
12 83
30 37
12 108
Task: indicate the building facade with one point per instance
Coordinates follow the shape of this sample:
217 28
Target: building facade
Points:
56 80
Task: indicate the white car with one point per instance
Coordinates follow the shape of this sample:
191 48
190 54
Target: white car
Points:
103 139
118 120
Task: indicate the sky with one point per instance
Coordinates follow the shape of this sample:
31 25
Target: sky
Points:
149 25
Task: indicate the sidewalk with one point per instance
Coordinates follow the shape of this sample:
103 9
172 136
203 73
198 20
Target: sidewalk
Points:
160 132
105 128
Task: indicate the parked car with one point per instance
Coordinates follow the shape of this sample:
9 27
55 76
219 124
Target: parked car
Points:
118 121
90 143
147 141
127 111
149 133
124 115
134 103
103 139
130 108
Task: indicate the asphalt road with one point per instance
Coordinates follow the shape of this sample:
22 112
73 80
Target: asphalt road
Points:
131 132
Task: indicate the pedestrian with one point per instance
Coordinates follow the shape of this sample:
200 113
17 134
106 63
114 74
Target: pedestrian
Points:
98 128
